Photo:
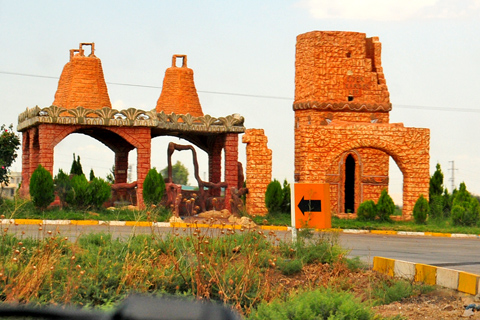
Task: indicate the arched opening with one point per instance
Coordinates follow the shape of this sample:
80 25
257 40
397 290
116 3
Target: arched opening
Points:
94 155
350 184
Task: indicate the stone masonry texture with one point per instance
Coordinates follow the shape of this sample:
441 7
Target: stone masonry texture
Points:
179 94
82 83
82 86
258 171
341 109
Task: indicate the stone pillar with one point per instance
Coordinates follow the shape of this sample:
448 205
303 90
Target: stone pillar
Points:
34 151
143 136
215 163
258 171
231 166
46 134
24 190
121 166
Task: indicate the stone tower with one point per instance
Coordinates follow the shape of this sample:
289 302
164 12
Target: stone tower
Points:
82 83
179 94
339 78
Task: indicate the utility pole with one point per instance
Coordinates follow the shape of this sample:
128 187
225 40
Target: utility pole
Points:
452 179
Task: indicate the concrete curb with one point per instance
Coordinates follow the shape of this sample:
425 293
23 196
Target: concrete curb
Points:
448 278
220 226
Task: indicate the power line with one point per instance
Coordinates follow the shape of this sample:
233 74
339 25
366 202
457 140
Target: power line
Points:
400 106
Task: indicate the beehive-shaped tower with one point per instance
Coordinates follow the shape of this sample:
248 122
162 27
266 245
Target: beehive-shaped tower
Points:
179 94
82 83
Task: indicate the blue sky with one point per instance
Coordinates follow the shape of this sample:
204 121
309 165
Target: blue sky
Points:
430 56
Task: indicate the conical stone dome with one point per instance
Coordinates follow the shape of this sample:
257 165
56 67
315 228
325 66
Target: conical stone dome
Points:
82 82
179 94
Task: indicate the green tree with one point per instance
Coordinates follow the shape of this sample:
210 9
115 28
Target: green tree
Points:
286 197
153 187
179 173
436 194
367 211
466 208
111 175
62 186
98 191
76 168
421 210
41 188
385 206
78 194
9 144
436 183
274 197
92 175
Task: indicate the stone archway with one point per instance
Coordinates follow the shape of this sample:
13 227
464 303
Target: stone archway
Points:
409 147
120 140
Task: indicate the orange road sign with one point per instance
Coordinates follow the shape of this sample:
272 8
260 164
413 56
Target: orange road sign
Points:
312 205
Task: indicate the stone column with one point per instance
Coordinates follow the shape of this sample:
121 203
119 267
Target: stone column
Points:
215 163
231 166
121 166
143 136
24 190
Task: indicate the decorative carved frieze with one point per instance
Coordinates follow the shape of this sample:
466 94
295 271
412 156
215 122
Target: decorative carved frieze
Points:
131 118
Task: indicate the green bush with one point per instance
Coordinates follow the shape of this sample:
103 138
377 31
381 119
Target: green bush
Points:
466 208
77 196
153 187
421 210
41 188
98 192
317 304
437 205
289 266
62 186
367 211
286 195
385 206
274 197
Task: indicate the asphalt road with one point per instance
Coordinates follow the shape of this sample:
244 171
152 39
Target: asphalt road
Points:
453 253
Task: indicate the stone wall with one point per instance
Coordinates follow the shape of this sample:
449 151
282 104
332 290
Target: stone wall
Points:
341 110
339 66
258 171
319 148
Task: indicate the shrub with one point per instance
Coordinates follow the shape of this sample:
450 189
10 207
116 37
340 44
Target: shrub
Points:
437 205
98 192
274 197
289 266
62 186
466 208
317 304
367 211
421 210
41 188
286 197
385 206
78 194
153 187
